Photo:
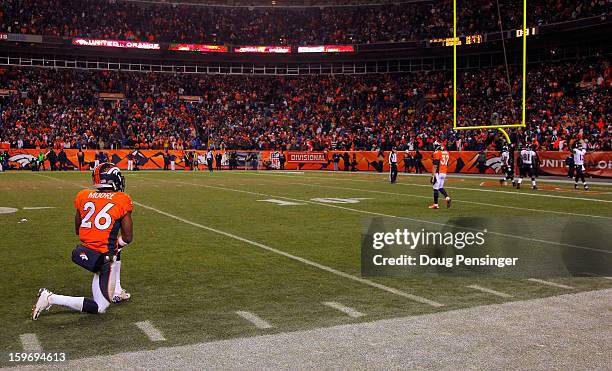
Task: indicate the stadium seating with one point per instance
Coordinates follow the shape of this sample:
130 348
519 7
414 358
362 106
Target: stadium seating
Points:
70 108
273 26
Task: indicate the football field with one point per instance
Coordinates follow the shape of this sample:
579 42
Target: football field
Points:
238 254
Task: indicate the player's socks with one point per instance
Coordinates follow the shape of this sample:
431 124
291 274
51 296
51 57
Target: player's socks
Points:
72 302
117 267
90 306
443 191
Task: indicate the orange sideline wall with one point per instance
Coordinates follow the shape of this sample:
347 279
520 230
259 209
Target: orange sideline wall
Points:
598 164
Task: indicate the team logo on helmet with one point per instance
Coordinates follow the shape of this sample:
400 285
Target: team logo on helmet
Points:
107 176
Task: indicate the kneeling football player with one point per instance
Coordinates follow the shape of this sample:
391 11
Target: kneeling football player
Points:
101 214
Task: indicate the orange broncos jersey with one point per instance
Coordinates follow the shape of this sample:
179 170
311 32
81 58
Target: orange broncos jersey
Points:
101 214
443 157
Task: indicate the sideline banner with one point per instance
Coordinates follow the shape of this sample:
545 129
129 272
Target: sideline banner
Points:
598 164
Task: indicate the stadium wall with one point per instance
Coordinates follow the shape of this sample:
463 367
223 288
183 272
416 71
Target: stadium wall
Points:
598 164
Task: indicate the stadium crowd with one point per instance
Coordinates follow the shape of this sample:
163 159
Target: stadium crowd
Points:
66 109
112 19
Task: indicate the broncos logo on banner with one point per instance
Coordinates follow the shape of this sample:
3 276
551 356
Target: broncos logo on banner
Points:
22 159
494 163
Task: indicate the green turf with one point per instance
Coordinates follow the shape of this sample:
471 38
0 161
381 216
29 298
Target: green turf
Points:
189 281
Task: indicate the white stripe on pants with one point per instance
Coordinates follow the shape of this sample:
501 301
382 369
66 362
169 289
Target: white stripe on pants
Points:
98 296
439 181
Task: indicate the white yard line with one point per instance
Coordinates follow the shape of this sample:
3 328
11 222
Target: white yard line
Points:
151 331
532 194
298 258
515 237
254 319
454 200
30 343
39 207
549 283
344 309
490 291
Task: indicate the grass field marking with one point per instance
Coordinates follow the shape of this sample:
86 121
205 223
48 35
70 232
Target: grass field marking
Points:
591 274
151 331
379 286
461 201
30 343
549 283
344 309
254 319
281 202
532 239
489 291
532 194
39 207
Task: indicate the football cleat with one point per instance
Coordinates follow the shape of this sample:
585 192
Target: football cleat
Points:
586 187
448 202
518 185
534 187
121 296
434 206
42 303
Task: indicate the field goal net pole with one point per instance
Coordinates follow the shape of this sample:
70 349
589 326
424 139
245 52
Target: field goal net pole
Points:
524 79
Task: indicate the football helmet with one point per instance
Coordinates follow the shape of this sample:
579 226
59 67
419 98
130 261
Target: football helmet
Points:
107 176
437 146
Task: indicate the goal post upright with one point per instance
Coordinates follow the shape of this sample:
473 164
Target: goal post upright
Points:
524 78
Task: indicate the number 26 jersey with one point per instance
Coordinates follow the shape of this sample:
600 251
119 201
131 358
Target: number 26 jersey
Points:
101 214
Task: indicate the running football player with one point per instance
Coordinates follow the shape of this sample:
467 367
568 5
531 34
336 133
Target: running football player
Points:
528 156
100 215
507 166
438 174
579 153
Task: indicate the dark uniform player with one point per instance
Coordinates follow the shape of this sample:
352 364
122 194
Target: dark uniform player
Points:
507 166
393 166
528 157
579 154
218 159
101 215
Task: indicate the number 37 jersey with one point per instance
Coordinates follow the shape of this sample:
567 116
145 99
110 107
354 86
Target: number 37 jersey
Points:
101 214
